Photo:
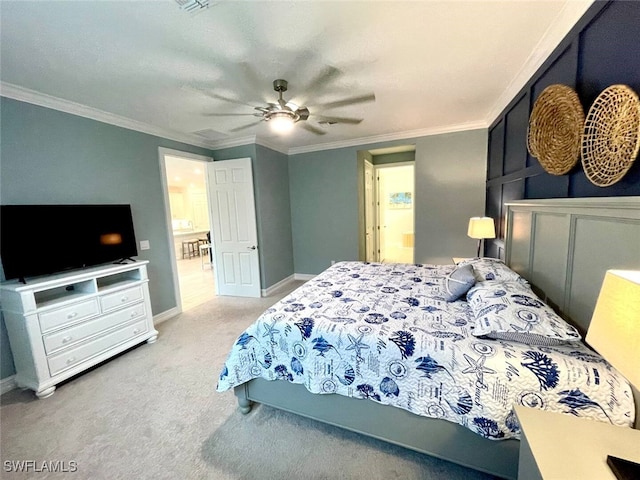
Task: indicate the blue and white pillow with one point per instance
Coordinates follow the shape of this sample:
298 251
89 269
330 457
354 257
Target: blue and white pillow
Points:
487 269
458 282
511 311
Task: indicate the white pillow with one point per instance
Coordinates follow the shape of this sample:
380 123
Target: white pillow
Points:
486 268
511 311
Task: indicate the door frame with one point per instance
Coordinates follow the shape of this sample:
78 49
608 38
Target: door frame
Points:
374 214
162 153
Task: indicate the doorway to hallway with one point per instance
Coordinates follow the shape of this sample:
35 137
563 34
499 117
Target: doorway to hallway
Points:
188 206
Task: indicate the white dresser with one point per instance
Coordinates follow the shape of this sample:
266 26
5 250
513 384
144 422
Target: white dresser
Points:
60 325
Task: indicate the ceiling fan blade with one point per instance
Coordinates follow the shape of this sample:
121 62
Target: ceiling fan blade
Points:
312 129
325 77
231 114
370 97
215 95
250 77
347 120
237 129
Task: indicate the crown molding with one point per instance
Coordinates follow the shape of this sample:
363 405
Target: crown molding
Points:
390 137
233 142
22 94
568 16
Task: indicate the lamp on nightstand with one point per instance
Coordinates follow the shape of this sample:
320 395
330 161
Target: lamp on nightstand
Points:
614 332
481 228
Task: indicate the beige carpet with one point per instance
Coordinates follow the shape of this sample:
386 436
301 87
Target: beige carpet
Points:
153 412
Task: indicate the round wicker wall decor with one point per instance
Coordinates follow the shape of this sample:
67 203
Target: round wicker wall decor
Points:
555 129
611 137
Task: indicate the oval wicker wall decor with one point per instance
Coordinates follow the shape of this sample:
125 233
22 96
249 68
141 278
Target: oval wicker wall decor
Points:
555 129
611 137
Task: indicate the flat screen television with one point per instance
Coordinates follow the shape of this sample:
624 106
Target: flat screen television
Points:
44 239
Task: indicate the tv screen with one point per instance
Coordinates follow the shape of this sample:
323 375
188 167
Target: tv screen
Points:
45 239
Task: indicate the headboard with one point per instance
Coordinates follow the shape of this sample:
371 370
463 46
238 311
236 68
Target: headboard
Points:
565 246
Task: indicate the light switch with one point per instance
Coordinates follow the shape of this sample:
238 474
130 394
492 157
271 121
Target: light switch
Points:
144 245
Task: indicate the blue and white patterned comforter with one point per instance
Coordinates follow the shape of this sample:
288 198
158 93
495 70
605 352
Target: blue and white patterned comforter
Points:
383 332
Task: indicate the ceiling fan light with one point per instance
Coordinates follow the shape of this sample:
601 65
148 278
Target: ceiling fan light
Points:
281 122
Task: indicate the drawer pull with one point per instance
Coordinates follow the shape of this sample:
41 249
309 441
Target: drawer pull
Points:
67 339
72 315
133 314
71 360
136 331
124 299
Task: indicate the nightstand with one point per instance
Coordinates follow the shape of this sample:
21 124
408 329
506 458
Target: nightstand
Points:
559 446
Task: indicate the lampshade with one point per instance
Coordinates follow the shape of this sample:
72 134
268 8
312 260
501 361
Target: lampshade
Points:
481 227
615 326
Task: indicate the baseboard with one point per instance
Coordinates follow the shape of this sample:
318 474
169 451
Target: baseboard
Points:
7 384
303 276
166 315
268 291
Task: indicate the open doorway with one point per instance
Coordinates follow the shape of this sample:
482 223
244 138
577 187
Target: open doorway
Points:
386 204
188 212
395 213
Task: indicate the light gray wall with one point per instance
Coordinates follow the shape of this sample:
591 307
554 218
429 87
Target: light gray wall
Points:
450 171
449 191
274 215
54 157
324 208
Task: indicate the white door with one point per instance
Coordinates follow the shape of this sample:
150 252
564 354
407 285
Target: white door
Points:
370 213
233 228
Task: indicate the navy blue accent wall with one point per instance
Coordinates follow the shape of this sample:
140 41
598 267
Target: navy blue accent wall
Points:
601 50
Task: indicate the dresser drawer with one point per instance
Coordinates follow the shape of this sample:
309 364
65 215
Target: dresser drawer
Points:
71 314
123 297
69 336
74 356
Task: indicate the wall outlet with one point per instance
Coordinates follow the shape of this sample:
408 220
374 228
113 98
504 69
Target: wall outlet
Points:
144 245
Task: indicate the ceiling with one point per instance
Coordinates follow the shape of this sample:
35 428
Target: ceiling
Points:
433 66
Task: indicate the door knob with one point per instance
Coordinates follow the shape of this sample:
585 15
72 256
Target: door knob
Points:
253 247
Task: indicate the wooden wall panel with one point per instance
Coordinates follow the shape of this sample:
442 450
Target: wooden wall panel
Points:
515 149
496 151
601 50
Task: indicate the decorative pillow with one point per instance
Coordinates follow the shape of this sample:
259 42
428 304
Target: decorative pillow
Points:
486 268
458 282
511 311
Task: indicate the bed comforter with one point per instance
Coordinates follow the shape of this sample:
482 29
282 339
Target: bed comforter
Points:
383 332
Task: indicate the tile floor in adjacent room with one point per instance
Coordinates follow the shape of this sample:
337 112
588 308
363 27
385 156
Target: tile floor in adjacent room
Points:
196 282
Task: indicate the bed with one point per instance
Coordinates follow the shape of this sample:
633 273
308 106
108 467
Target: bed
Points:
379 349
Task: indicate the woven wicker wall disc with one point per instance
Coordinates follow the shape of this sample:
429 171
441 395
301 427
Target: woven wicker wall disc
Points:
555 129
611 137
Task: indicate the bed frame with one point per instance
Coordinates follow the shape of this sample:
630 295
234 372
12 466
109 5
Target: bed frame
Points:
563 247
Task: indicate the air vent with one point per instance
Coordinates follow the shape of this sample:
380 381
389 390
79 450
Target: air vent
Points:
193 6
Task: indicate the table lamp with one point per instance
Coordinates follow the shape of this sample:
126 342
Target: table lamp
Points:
481 228
614 332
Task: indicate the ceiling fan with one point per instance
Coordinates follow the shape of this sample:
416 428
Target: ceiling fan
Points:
282 114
